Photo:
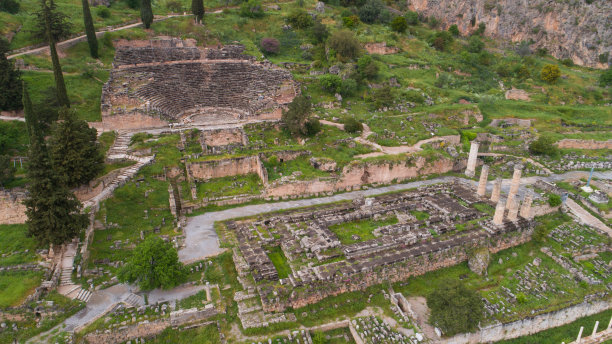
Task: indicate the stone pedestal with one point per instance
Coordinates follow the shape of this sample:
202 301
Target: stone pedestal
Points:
482 184
513 210
471 163
498 217
514 186
496 190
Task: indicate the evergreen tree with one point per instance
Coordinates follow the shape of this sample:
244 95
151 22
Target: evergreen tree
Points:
48 15
75 153
146 13
10 80
455 308
52 210
197 7
90 30
296 116
60 26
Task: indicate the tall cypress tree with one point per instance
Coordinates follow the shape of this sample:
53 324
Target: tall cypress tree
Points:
90 30
62 94
146 13
197 8
52 210
10 80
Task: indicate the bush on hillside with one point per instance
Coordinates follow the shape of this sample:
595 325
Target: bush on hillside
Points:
345 45
550 73
270 45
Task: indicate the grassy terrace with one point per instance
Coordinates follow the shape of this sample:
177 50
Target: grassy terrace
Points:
13 243
362 228
280 262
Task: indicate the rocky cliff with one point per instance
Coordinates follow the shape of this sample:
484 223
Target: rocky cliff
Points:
567 28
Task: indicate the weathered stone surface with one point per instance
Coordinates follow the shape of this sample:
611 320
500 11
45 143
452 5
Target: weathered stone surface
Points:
478 260
516 94
12 210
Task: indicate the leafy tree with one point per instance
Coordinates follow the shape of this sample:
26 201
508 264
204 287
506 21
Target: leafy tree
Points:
331 83
50 19
251 9
10 6
53 211
554 200
75 153
367 67
383 96
550 73
153 264
441 40
370 12
348 87
399 24
412 18
544 145
454 30
345 45
300 19
606 78
455 308
319 32
351 125
295 117
90 30
197 8
6 169
10 80
146 13
270 45
475 44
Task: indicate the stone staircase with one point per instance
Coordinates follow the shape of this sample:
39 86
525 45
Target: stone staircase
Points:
134 300
66 286
118 150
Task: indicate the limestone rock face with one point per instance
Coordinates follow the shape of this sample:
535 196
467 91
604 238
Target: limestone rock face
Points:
568 29
478 261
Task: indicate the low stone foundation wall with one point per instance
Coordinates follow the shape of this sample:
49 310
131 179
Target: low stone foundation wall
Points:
204 170
584 144
532 325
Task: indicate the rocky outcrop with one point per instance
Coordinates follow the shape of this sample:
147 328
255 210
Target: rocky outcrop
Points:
568 29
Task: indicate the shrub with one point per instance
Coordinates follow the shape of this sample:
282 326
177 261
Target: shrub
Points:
412 18
481 29
522 72
312 127
603 58
10 6
174 6
330 83
345 44
454 30
541 52
352 125
550 73
606 78
433 22
503 70
544 145
348 87
133 4
455 308
103 12
367 67
399 24
475 44
270 45
554 200
414 97
299 19
567 62
351 21
523 49
320 32
370 12
441 40
251 9
383 97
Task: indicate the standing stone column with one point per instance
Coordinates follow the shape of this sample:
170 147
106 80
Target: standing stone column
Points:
482 184
513 210
498 217
471 163
514 186
496 190
526 206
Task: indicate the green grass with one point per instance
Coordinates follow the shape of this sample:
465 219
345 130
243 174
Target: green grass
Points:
566 333
249 184
420 215
14 239
106 140
280 262
484 208
201 335
363 228
16 286
13 138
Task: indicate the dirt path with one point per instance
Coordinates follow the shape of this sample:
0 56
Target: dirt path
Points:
586 217
519 157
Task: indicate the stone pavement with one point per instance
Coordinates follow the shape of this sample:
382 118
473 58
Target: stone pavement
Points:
586 217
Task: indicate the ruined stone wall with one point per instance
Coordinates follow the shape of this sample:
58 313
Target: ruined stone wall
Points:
584 144
419 265
353 176
204 170
12 210
94 187
135 120
543 209
532 325
224 137
141 330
